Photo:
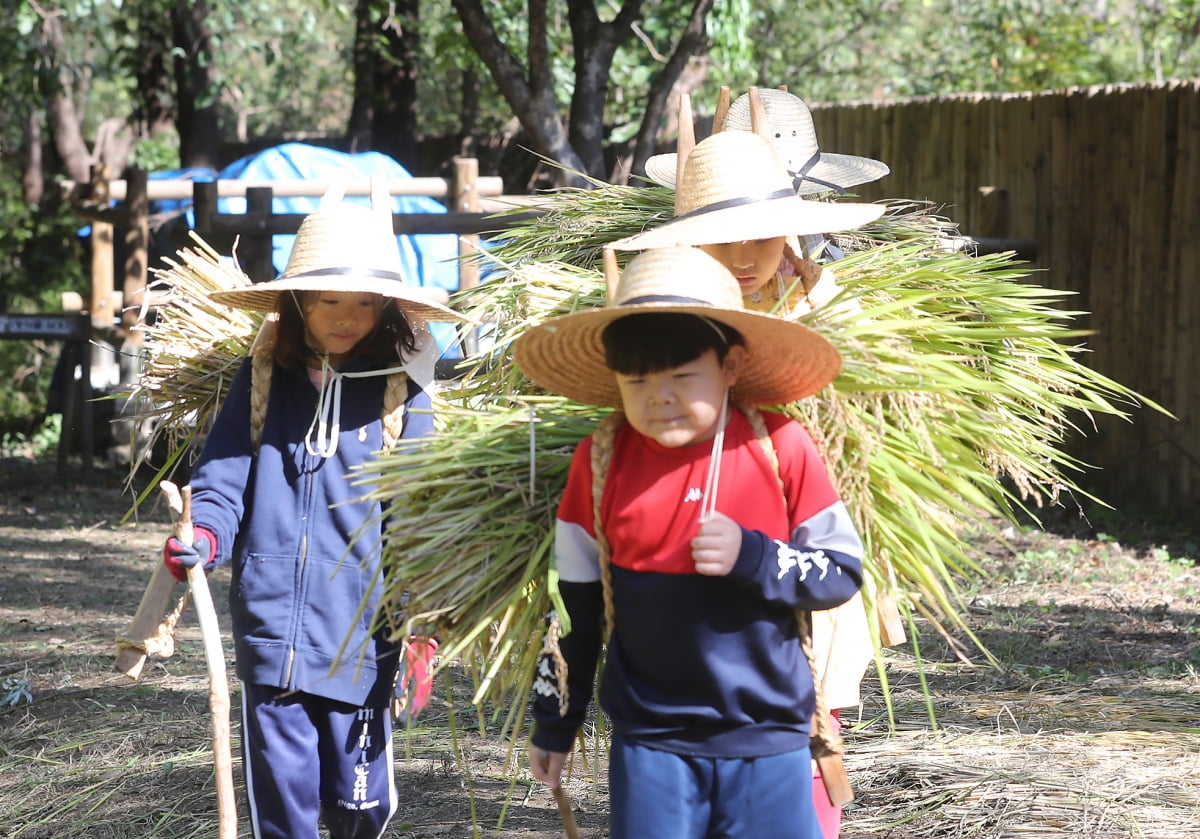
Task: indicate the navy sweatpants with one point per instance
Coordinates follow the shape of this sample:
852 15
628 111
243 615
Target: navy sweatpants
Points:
308 758
655 794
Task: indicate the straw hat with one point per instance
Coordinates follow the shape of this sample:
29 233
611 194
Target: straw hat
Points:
734 187
344 247
791 130
786 361
795 138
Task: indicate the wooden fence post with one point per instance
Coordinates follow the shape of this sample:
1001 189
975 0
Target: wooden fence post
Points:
204 208
256 245
466 200
137 256
100 303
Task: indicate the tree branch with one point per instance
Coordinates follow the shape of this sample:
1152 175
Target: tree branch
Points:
692 42
534 106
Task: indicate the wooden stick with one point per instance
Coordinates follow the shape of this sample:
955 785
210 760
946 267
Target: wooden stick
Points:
564 804
722 110
180 502
612 276
565 812
687 141
758 115
835 780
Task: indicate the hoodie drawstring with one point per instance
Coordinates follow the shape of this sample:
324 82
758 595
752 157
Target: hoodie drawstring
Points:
326 422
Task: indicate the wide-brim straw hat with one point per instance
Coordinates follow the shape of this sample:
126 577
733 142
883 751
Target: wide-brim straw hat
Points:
792 132
734 188
348 248
786 360
795 138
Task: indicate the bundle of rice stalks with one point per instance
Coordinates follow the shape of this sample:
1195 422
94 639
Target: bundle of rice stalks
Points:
193 347
960 383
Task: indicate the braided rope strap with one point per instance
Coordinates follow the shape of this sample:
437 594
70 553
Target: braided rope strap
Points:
602 450
262 365
825 742
394 396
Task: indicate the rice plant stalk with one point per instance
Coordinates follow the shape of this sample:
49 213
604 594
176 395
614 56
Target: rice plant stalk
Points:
961 381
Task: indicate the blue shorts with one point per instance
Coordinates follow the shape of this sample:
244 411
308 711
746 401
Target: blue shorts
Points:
655 794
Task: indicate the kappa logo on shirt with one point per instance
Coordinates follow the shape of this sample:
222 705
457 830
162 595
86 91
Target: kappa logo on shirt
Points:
803 561
693 494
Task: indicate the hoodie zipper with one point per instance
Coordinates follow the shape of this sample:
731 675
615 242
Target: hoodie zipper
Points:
303 566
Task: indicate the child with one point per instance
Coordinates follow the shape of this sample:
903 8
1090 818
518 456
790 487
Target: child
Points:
730 170
791 130
736 201
715 524
272 495
799 283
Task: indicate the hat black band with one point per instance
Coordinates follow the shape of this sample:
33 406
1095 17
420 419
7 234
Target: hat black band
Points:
665 298
735 202
374 273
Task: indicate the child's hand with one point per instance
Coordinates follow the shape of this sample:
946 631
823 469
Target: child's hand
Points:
716 546
546 766
179 557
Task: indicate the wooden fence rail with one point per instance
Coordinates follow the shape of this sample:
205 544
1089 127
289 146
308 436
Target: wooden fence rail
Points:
1106 182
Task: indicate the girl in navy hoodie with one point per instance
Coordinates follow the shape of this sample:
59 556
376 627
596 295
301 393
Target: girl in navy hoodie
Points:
325 387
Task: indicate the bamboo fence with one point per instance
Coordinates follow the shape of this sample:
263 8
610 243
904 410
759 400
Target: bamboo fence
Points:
1106 182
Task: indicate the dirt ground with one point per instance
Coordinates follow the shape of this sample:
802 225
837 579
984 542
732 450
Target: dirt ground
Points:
1088 727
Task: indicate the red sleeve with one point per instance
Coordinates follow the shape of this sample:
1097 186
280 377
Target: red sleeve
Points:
575 507
808 487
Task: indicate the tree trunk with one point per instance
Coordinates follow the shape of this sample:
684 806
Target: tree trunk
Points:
384 114
196 85
65 128
395 124
152 70
468 114
362 112
693 42
33 181
595 44
62 118
531 99
579 144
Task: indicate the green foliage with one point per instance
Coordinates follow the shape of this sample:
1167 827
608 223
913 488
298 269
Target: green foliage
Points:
448 64
285 66
157 153
37 443
38 261
38 250
844 50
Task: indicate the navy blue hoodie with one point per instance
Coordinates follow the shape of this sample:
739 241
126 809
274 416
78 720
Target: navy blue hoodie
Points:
305 546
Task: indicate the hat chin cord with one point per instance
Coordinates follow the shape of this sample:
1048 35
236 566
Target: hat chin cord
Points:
708 504
801 175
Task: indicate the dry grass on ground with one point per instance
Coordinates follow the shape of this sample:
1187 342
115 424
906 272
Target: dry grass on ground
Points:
1091 728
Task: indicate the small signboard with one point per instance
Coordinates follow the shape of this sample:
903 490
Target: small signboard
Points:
73 327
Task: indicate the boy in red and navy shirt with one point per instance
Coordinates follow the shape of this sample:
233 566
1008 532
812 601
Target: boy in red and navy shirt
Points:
715 524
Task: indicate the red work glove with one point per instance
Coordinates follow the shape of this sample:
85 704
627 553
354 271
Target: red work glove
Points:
179 557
